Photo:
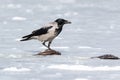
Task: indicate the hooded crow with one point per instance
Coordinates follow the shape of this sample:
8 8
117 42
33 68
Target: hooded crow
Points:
47 33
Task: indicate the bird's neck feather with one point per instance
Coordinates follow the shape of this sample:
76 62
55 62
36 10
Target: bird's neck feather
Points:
60 25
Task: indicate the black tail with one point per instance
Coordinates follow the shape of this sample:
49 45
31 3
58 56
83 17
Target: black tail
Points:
27 37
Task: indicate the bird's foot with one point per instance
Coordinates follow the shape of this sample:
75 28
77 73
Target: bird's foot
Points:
49 49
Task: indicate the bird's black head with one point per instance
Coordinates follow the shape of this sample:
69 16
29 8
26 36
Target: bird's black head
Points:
61 21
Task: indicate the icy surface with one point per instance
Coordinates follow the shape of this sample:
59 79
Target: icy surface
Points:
16 69
95 30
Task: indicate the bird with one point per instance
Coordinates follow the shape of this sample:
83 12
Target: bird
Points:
47 33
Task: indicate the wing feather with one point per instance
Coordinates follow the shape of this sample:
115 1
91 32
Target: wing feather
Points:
41 31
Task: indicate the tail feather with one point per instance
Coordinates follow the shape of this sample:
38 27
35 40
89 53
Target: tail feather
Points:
30 35
27 37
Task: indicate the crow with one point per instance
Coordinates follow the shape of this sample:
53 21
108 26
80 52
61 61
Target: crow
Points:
47 33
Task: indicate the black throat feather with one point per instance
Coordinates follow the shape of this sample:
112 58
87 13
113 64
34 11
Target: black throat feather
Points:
59 29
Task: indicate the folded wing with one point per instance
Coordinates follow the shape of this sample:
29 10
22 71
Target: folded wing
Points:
38 32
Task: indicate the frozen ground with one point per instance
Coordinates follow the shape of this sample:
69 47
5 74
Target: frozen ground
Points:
95 30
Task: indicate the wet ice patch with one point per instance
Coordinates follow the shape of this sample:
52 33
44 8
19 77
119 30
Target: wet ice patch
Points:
84 68
15 69
18 18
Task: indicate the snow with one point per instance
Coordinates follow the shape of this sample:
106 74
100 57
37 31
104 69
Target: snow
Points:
18 18
80 79
84 68
95 31
15 69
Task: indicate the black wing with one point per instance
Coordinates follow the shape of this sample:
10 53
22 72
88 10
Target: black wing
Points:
38 32
41 31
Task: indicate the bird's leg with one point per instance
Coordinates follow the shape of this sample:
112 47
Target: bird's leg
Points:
49 45
45 44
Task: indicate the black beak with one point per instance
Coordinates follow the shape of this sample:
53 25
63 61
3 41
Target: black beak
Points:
68 22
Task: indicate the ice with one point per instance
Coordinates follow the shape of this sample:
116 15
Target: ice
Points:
15 69
59 38
5 22
60 47
95 31
18 39
14 5
84 68
29 11
14 56
87 47
18 18
80 79
68 1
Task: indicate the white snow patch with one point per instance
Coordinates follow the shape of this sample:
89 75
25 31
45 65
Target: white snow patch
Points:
14 56
15 69
84 47
17 18
17 39
12 6
67 1
84 68
62 47
80 79
59 38
87 47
